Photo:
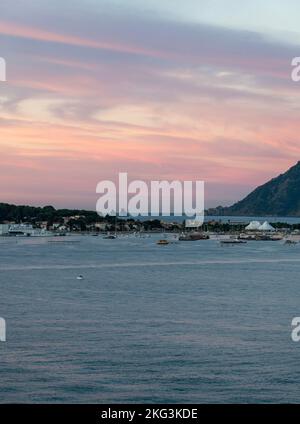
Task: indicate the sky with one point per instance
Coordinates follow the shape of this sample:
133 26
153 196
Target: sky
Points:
161 89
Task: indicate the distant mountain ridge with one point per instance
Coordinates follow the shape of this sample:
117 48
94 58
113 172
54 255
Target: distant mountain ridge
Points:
278 197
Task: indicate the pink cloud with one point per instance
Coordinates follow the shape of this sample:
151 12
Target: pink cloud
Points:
34 33
212 112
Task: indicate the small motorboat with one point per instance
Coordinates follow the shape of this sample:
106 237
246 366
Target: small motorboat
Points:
233 241
290 242
163 242
80 277
110 237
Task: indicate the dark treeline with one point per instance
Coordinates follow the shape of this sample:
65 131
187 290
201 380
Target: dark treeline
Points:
78 218
46 213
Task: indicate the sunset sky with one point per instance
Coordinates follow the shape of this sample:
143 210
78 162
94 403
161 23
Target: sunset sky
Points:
161 89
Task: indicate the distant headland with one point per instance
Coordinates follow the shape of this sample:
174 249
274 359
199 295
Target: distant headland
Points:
278 197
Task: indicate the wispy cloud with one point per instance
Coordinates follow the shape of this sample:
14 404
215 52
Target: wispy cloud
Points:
104 90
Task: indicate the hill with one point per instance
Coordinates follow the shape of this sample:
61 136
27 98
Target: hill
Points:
278 197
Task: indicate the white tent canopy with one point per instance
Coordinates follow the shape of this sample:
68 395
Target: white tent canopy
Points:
254 225
266 227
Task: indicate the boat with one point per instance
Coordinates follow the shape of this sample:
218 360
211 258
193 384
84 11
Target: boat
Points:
21 230
193 237
162 242
290 242
27 230
233 241
247 237
80 277
110 237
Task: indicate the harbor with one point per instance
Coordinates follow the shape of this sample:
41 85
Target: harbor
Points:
229 233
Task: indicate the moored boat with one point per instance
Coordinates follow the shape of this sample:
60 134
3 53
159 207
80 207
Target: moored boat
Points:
233 241
289 241
110 237
193 237
162 242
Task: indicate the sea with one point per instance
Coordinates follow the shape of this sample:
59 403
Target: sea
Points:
189 322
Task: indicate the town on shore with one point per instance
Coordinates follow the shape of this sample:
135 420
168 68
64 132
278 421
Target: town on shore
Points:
28 220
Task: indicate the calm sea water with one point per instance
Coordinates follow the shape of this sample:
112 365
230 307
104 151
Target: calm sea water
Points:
188 322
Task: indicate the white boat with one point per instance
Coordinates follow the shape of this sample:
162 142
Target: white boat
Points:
233 241
24 230
27 230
